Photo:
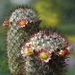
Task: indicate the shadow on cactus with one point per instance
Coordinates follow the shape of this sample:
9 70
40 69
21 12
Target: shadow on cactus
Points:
32 51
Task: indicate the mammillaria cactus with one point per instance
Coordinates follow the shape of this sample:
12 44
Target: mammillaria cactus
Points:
22 22
45 53
32 51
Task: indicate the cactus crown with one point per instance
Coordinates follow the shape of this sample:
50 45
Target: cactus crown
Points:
23 17
47 40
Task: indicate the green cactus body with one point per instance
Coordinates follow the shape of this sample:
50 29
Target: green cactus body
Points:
21 23
45 53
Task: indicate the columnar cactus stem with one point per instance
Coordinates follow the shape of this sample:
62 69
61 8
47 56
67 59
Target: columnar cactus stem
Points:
22 22
45 53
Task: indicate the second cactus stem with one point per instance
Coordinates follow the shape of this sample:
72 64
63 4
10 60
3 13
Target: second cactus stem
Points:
45 53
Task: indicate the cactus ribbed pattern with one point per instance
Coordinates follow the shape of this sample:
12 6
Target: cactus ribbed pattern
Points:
23 21
42 53
31 50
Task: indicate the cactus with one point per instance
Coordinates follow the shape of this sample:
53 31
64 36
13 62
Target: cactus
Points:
40 53
22 22
45 53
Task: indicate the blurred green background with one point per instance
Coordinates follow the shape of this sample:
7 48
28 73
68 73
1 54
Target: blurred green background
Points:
55 13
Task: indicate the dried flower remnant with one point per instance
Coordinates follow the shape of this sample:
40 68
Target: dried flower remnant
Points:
6 23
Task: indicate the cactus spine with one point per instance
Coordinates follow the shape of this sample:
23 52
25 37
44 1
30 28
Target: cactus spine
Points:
42 53
22 22
45 53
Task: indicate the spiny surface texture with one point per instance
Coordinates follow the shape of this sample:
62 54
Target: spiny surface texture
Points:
45 53
21 23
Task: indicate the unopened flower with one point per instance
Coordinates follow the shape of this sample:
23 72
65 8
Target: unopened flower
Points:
63 52
6 23
22 22
44 56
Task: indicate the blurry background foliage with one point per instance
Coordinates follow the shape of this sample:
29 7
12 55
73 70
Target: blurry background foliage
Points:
55 13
